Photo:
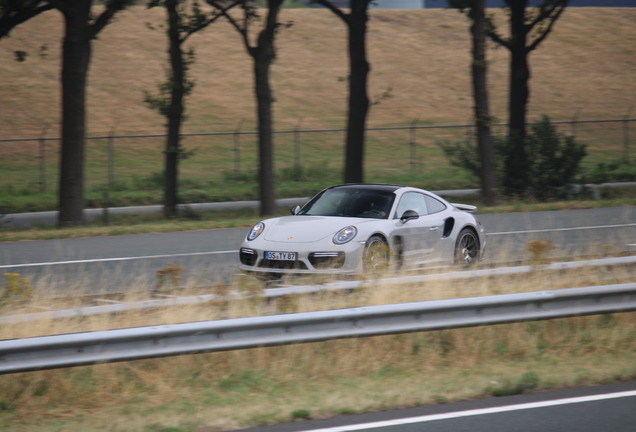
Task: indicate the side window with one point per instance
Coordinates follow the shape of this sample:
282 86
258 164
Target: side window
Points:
434 205
412 201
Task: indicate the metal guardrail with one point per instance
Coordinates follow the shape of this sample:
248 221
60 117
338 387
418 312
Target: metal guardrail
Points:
455 275
278 292
58 351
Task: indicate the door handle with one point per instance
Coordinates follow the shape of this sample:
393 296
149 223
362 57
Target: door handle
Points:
435 228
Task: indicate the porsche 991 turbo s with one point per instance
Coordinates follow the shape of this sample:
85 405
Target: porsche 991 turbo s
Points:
358 228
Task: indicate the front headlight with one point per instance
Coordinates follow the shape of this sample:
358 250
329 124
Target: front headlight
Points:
345 235
255 231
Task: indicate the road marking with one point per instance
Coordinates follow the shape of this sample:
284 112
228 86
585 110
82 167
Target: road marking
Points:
475 412
559 229
52 263
235 251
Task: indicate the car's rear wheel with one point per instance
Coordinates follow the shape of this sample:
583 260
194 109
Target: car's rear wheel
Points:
376 255
467 248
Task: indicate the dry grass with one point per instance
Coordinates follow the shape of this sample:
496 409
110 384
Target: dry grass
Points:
422 56
202 392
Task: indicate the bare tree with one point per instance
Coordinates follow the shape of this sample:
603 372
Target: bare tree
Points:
81 27
263 53
528 28
184 19
358 104
479 68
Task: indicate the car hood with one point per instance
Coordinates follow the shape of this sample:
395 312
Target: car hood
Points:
308 229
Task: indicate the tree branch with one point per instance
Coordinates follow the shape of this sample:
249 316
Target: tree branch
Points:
12 17
547 31
242 30
491 32
211 19
545 11
334 9
111 8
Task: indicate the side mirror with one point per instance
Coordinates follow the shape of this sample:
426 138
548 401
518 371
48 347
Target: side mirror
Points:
409 215
295 209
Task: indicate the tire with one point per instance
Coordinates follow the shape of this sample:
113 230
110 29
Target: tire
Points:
467 248
376 255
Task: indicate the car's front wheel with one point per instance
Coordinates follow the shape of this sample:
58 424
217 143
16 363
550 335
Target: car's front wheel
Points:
467 248
376 255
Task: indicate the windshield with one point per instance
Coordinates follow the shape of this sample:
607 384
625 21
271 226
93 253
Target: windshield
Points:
350 202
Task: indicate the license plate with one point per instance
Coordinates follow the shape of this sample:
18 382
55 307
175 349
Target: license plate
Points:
280 256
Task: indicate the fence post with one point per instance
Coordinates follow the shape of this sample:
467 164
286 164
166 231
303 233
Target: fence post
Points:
237 149
297 150
111 158
575 119
42 159
626 121
105 206
412 148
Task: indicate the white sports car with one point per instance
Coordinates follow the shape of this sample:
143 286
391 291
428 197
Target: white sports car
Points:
357 228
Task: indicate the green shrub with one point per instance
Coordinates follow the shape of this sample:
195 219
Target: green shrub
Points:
463 154
612 172
553 160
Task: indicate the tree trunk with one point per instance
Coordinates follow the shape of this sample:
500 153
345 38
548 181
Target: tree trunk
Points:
175 112
515 172
264 55
358 97
265 141
482 109
75 61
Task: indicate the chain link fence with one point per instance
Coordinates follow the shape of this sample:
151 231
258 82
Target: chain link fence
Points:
135 162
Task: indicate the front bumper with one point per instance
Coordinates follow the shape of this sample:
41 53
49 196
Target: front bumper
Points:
343 260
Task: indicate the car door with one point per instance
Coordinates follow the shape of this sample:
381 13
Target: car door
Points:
418 238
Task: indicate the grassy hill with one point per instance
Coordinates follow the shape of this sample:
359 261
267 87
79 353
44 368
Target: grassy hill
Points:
419 58
585 68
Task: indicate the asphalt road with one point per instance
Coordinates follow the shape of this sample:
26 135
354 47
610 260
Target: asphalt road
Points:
609 408
120 263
